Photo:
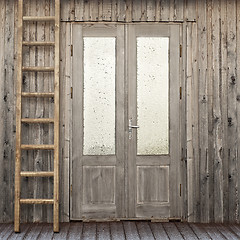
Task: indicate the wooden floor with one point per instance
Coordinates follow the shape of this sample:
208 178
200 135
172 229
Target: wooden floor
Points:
131 230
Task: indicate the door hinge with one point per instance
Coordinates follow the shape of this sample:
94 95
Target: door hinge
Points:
180 190
71 50
180 93
71 189
71 92
180 50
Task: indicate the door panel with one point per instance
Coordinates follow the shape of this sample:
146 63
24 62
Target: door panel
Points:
98 122
125 76
153 148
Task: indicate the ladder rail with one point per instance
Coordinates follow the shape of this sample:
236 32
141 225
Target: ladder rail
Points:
18 119
56 119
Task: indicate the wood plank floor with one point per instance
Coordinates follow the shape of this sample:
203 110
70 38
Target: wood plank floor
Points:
130 230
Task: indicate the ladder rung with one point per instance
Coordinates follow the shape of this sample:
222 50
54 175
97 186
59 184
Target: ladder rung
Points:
37 147
39 19
38 43
37 120
37 174
38 69
36 201
45 95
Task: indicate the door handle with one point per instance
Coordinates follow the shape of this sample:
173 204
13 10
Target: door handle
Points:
133 126
130 127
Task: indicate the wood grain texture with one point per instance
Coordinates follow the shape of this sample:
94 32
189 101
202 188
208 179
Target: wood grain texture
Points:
128 10
213 64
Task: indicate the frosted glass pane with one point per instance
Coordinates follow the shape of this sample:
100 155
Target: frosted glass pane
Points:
152 95
99 96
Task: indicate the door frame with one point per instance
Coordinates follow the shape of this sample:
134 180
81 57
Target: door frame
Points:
182 117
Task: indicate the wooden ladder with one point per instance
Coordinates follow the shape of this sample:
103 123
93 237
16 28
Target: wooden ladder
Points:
19 120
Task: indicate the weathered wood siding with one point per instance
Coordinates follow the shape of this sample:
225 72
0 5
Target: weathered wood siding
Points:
210 118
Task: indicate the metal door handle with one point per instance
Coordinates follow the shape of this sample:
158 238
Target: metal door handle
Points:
130 126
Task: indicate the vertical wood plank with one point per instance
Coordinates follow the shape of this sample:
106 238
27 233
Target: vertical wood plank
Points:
76 138
210 110
232 113
46 108
190 10
37 130
172 10
192 124
217 115
18 122
79 5
238 101
144 16
86 11
107 8
165 10
190 173
203 111
136 11
151 10
64 80
179 9
158 10
93 10
56 119
65 10
114 11
67 119
121 10
100 10
223 72
2 107
128 11
195 119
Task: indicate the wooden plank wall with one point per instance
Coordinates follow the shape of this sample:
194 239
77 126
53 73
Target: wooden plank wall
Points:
210 106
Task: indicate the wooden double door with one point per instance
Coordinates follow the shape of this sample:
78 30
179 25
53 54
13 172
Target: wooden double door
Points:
125 145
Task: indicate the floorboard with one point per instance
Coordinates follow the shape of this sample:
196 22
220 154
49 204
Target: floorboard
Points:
89 231
235 228
130 230
117 231
158 231
103 231
186 231
172 231
226 232
144 231
199 231
213 232
122 230
75 231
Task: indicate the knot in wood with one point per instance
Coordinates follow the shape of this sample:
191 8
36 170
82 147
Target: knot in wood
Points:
233 80
230 121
